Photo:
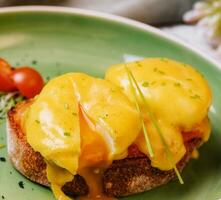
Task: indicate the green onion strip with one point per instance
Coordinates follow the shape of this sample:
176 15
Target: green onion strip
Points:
154 121
149 147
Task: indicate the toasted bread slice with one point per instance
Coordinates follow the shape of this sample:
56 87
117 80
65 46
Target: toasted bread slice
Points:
123 177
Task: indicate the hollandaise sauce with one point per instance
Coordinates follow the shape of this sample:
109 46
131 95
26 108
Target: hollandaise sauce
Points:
80 124
178 96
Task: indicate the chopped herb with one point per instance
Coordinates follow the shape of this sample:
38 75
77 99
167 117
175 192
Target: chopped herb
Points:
145 84
67 134
189 79
163 59
196 96
3 197
153 82
177 84
138 64
21 184
74 113
34 62
2 146
158 71
47 79
163 83
161 72
2 159
66 106
104 116
190 91
10 172
37 121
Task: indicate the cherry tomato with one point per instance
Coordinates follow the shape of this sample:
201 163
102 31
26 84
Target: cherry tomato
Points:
6 82
28 81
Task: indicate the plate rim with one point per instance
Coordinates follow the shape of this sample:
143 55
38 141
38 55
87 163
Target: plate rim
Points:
113 18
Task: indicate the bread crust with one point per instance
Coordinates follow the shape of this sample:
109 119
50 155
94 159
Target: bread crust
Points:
131 175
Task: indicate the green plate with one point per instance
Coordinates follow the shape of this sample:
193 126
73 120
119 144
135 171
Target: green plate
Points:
59 40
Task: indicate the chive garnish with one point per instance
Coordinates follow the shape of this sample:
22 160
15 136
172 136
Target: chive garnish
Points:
161 72
37 121
163 59
196 96
67 134
177 84
145 84
138 64
158 71
66 106
153 82
74 113
149 146
154 121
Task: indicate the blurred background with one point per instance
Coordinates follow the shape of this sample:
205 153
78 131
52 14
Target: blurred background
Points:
148 11
196 22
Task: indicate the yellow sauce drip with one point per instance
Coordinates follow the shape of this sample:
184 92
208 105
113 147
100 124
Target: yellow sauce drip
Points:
93 159
94 150
93 177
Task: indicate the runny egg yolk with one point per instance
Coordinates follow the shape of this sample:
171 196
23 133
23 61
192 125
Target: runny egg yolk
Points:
94 150
93 159
177 95
80 124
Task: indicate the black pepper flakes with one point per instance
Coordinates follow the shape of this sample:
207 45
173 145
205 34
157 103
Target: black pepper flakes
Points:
21 184
3 197
2 159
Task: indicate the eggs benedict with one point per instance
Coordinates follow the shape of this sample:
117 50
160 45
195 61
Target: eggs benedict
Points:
102 138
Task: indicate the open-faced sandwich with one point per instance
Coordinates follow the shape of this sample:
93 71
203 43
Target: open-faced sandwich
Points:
94 138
